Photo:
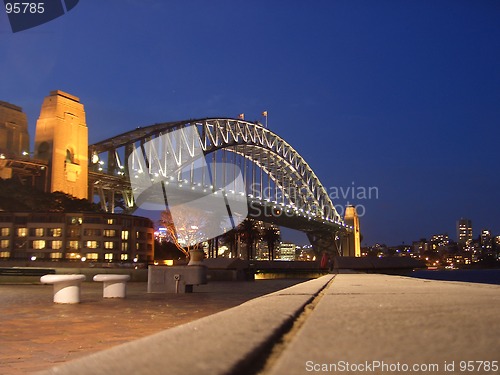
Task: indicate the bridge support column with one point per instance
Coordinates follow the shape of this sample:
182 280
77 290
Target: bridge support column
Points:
325 242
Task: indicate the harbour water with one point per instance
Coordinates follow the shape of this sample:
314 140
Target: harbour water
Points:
484 276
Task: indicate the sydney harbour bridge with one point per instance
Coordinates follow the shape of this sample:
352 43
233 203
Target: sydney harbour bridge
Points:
279 185
238 160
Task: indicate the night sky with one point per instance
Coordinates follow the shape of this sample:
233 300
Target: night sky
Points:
401 96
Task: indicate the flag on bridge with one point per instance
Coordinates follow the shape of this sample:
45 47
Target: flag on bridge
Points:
241 116
265 115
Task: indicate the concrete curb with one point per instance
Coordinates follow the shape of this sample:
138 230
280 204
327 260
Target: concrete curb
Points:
368 319
223 343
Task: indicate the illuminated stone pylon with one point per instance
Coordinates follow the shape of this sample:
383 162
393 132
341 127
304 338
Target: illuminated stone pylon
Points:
14 137
61 138
351 245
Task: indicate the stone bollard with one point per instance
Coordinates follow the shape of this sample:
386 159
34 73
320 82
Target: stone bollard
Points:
66 287
114 286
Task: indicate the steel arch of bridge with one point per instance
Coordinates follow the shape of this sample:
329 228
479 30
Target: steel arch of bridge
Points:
299 185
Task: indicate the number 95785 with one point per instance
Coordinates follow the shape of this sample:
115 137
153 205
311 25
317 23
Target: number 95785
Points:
24 8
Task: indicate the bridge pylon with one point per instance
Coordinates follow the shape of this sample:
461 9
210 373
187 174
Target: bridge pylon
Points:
351 244
61 139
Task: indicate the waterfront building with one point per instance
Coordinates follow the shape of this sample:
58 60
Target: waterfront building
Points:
90 237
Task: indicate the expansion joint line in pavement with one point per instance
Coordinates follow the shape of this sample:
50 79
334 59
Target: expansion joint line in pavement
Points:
280 343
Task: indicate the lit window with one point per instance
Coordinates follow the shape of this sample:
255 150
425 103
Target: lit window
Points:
76 220
73 245
5 232
55 255
22 232
111 221
92 244
124 246
124 257
55 232
4 254
108 256
109 233
39 232
56 245
125 235
109 245
39 244
4 244
92 256
73 256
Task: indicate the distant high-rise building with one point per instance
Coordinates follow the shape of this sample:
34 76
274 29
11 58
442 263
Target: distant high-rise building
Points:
287 251
420 247
439 241
261 250
464 232
486 240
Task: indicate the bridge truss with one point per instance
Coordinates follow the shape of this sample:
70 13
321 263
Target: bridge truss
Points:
278 183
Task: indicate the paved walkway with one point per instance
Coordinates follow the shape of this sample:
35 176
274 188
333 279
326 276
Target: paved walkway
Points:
36 334
354 323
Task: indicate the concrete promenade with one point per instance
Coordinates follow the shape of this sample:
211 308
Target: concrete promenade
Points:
362 321
36 334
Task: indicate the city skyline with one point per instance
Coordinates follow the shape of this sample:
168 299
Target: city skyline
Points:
401 98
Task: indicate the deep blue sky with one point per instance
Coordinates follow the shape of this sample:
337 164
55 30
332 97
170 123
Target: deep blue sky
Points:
399 95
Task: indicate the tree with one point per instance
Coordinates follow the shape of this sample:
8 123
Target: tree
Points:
250 234
182 232
230 239
14 196
166 250
188 228
272 237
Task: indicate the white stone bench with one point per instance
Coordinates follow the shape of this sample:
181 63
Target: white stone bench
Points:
114 286
66 287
